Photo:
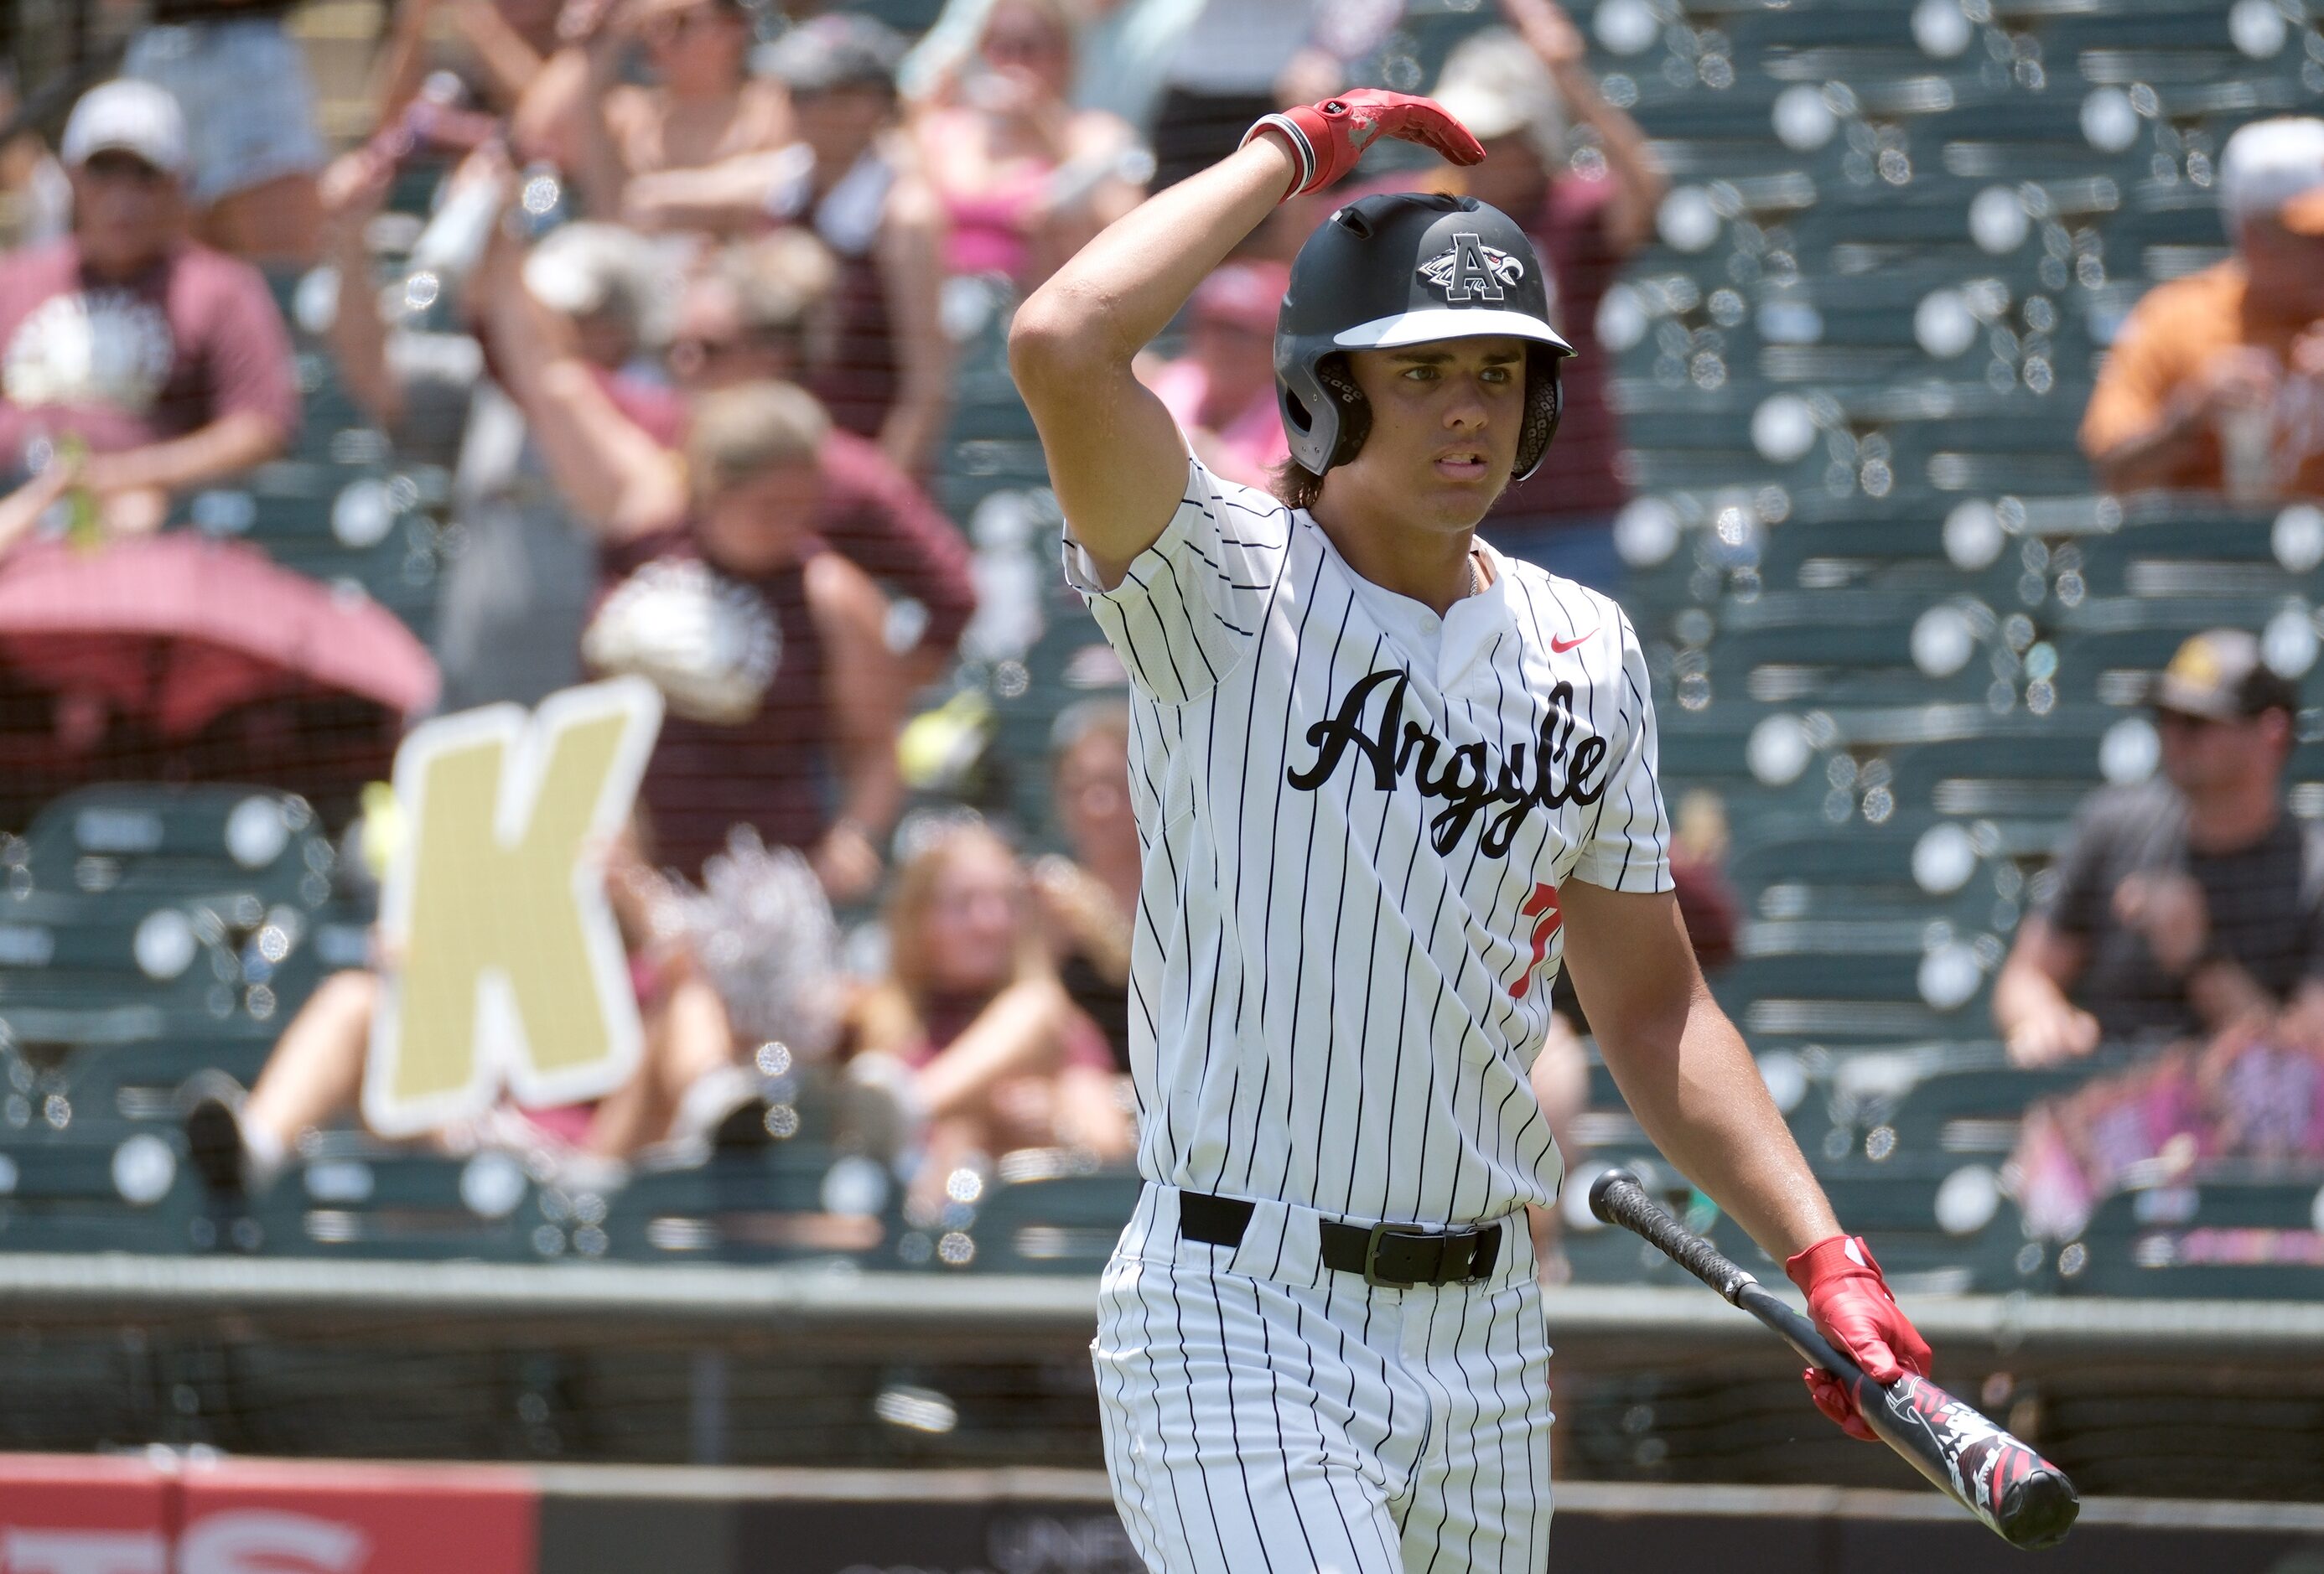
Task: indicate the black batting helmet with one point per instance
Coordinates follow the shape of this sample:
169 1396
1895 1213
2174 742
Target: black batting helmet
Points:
1403 269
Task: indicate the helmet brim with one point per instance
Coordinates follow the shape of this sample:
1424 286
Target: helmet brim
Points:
1418 328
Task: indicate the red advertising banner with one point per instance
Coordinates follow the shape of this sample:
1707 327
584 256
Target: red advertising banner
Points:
136 1516
279 1518
76 1515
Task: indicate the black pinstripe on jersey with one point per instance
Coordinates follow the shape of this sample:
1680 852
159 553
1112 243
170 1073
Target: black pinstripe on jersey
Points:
1346 805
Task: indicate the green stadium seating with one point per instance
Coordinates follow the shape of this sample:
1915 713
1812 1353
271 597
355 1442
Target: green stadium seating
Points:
791 1200
2212 1236
351 1196
1059 1218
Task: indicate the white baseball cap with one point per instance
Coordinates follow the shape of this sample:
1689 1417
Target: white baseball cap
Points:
132 117
2271 164
1493 85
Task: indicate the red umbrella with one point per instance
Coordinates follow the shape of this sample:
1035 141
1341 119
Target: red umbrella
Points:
179 628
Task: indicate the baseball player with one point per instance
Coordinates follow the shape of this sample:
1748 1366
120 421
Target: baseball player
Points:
1387 780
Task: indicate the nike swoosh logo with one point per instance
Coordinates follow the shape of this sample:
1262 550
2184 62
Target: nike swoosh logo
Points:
1562 646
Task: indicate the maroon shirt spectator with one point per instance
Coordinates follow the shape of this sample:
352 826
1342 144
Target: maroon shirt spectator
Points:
125 363
784 698
1576 483
771 771
166 360
876 516
1519 89
745 317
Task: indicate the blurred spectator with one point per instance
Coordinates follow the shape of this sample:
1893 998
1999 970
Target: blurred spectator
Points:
1121 54
496 48
970 1048
241 82
1222 391
1239 59
2183 906
685 1085
886 373
703 108
1024 178
1088 897
882 365
512 601
2216 382
771 649
749 316
137 363
35 192
2253 1094
1587 212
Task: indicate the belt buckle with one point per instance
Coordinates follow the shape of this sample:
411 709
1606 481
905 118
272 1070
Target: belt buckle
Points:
1373 1238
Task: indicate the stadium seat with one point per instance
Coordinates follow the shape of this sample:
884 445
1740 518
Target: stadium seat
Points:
1044 1213
789 1200
84 1190
352 1196
2213 1235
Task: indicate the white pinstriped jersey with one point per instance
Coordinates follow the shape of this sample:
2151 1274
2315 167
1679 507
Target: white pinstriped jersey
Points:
1356 819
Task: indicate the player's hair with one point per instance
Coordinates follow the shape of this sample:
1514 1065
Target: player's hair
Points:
892 1015
736 434
1294 485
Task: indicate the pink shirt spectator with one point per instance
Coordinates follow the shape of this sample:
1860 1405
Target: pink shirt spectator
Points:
1222 393
124 365
1247 446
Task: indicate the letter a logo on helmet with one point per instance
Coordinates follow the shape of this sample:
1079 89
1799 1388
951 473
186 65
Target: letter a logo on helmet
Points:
1469 270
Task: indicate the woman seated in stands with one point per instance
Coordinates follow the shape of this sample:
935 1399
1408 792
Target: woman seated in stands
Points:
688 1082
703 108
1026 179
970 1048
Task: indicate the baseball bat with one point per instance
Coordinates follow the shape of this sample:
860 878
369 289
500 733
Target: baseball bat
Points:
2020 1495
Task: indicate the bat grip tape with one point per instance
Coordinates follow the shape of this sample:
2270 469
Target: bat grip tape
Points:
1636 1211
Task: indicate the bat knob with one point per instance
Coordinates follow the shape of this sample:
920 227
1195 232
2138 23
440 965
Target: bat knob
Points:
2039 1509
1602 1188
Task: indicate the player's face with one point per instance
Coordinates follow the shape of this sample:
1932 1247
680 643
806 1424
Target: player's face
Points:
1446 415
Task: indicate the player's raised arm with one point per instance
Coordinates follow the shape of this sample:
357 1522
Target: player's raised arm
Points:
1115 456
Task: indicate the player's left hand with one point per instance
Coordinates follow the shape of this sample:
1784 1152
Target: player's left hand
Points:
1333 134
1853 1308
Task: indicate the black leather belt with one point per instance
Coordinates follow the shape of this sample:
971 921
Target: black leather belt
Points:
1396 1256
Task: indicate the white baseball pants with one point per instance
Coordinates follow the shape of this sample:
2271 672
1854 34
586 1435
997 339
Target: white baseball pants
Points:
1264 1414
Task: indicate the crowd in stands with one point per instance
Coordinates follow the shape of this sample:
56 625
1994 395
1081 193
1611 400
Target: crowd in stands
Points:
691 375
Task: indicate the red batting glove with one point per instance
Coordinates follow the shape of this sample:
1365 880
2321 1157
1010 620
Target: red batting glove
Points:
1328 138
1853 1308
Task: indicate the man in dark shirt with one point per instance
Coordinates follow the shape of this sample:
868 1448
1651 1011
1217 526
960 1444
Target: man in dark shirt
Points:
2182 906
